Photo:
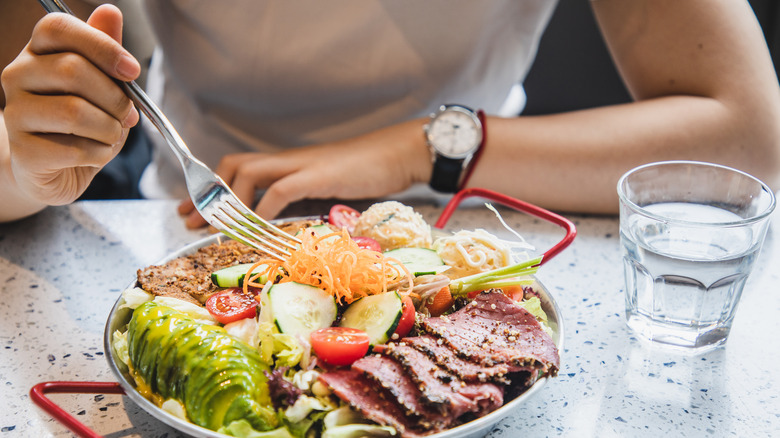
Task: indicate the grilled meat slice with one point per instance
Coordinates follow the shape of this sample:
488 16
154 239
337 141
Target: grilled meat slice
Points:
189 278
442 389
460 369
448 358
391 376
374 402
493 330
176 279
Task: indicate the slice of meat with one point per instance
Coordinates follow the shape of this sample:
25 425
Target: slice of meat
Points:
178 278
460 369
487 397
189 278
493 330
391 376
373 401
441 388
445 356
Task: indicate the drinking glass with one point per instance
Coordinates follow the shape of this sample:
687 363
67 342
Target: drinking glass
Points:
690 233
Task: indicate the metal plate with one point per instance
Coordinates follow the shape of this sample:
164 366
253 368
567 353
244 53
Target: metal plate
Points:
119 318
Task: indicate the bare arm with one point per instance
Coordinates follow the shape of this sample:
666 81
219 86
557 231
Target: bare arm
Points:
705 89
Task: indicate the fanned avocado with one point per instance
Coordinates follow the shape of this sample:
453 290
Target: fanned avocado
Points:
217 378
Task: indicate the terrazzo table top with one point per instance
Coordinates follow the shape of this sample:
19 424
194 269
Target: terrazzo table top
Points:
62 270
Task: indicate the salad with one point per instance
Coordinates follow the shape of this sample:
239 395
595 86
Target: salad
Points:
374 326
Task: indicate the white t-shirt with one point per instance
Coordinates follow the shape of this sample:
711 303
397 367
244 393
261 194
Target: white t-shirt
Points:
249 75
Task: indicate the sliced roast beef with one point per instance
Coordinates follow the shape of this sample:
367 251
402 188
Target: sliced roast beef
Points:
441 388
493 330
373 401
448 358
391 376
426 383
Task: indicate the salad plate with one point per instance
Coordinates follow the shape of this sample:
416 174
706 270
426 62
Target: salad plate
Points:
119 318
122 312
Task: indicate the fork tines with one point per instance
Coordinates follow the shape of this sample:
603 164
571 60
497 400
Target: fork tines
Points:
243 225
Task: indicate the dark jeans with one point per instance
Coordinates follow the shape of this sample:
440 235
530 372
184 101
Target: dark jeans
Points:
119 178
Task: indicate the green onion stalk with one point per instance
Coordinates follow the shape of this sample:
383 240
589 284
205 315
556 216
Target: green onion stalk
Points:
512 275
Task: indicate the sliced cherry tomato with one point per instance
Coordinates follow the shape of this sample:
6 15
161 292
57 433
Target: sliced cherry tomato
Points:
406 322
231 305
343 216
516 293
367 243
339 345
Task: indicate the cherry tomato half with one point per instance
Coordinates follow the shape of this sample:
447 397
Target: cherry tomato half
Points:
231 305
343 216
406 322
367 243
514 292
339 345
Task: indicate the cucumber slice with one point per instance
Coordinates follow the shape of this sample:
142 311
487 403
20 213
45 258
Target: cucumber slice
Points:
299 309
233 276
418 261
377 315
320 230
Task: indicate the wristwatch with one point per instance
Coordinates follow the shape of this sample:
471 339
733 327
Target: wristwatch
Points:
454 135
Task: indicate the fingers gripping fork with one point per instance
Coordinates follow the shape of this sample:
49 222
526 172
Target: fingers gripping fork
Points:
213 199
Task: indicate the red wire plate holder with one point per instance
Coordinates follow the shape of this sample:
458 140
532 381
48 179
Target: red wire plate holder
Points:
39 391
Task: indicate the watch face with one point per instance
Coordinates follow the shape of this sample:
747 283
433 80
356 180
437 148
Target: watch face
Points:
455 134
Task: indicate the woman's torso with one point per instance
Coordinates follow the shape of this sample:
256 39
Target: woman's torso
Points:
262 75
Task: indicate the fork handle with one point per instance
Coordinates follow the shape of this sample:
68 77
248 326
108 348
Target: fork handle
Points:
142 101
55 6
158 119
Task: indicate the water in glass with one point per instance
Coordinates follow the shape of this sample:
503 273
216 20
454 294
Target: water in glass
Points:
684 283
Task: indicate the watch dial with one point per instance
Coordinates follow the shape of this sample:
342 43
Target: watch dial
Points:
454 133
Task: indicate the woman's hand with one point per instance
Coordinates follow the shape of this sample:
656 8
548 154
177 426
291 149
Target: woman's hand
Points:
376 164
65 115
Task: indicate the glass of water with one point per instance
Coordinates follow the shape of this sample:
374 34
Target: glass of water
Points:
690 234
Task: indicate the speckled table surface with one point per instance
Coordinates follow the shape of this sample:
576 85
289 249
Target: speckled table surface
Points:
62 270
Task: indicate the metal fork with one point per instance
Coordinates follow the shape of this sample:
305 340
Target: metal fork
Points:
218 205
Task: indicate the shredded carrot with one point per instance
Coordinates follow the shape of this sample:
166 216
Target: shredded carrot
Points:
441 302
337 265
272 265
